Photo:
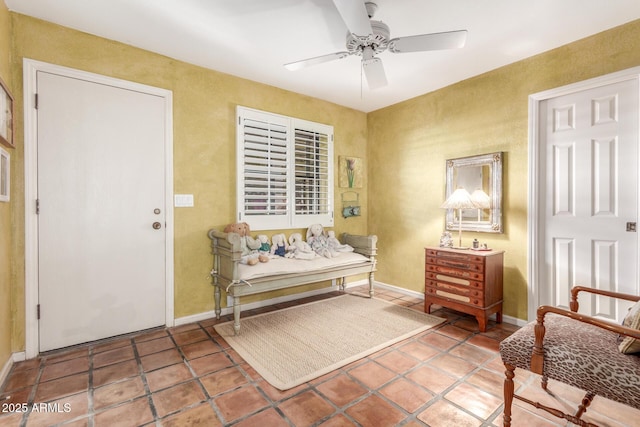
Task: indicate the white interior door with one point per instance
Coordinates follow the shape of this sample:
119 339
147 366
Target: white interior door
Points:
100 180
589 179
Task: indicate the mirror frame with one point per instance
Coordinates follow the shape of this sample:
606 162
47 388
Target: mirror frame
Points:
494 161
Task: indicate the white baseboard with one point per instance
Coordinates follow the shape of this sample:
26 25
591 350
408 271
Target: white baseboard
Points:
506 319
194 318
259 304
403 291
4 372
514 321
6 368
264 303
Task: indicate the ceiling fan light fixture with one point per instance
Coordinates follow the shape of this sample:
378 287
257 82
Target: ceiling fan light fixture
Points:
366 38
378 40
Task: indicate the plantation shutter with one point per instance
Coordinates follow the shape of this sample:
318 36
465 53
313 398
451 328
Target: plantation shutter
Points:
263 193
284 171
312 159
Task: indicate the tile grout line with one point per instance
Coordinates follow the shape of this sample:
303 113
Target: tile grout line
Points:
207 398
271 404
143 378
237 365
90 406
32 394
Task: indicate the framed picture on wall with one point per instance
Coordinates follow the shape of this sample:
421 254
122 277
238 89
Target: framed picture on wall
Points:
350 172
4 175
6 116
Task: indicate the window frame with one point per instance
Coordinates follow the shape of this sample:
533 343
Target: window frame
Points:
260 133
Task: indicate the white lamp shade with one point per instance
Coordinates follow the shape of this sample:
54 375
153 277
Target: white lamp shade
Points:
481 199
459 199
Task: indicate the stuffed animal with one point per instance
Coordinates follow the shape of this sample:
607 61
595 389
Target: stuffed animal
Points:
335 244
279 245
248 245
299 249
265 247
319 242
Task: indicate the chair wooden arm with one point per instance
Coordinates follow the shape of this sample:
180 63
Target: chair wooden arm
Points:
574 295
537 357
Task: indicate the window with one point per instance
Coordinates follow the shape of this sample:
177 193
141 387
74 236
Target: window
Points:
284 171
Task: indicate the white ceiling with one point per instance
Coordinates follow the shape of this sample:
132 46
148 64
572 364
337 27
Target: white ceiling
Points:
254 38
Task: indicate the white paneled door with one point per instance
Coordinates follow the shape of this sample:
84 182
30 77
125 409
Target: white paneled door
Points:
101 202
589 195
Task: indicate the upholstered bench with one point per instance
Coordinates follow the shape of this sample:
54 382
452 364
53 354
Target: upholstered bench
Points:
240 280
578 350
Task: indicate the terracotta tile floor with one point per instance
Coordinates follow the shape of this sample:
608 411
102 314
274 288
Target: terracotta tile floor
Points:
188 376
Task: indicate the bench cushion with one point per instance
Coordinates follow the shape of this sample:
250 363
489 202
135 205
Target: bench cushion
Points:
581 355
281 265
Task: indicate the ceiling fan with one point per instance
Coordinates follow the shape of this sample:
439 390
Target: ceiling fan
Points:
367 38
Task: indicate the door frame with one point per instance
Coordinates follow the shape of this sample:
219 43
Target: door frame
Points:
30 70
535 235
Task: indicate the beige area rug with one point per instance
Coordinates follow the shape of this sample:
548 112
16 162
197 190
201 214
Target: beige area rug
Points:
292 346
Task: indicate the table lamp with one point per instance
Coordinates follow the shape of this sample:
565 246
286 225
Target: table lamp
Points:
459 199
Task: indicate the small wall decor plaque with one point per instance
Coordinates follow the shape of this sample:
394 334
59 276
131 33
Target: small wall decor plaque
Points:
350 204
4 175
6 116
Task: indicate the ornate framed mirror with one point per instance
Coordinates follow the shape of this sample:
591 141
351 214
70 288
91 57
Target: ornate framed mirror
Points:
481 176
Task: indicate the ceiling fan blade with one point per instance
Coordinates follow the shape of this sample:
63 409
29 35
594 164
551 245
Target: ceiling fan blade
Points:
297 65
433 41
374 71
354 14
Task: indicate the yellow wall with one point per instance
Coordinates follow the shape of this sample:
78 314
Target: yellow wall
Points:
204 142
409 143
404 148
5 212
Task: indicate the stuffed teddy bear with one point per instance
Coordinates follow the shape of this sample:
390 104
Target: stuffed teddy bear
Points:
248 245
299 249
279 245
335 244
319 242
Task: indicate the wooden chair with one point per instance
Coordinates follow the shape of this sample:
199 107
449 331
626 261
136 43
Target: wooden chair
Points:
574 349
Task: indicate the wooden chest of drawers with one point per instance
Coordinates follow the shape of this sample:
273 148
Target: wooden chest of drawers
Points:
464 280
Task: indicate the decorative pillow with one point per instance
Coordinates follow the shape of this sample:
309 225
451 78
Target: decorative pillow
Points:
632 320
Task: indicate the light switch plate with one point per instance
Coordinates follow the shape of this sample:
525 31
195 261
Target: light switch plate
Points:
183 200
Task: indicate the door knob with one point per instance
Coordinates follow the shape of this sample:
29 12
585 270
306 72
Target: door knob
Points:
156 225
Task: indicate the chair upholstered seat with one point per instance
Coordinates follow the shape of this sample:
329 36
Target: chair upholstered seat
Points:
581 355
578 350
